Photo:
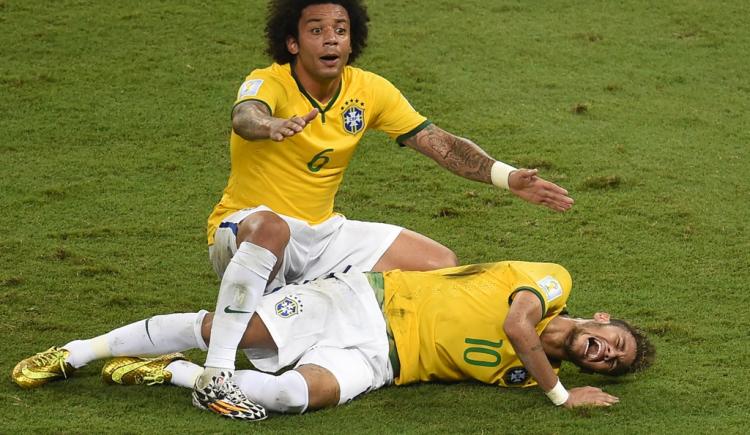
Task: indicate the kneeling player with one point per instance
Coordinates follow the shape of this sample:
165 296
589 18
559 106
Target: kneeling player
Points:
499 323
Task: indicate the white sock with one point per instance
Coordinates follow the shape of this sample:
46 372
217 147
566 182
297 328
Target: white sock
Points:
285 393
184 373
154 336
242 287
82 352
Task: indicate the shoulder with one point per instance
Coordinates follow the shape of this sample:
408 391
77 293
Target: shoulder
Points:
367 78
262 83
273 72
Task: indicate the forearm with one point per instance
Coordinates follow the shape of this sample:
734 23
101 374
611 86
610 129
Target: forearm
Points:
458 155
252 121
529 350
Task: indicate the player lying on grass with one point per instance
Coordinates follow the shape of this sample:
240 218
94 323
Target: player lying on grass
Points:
349 333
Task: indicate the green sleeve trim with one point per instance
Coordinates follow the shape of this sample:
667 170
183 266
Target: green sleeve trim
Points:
533 290
270 112
413 132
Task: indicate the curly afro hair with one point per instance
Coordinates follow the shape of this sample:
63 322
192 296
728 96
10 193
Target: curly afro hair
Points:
283 21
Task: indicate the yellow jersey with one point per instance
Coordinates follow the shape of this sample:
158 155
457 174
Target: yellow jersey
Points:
299 177
448 324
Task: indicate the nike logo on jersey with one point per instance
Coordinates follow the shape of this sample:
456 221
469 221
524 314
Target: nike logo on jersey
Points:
127 368
38 375
229 310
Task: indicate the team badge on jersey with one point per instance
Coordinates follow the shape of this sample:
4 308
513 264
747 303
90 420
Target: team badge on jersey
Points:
551 287
516 376
353 116
250 88
289 306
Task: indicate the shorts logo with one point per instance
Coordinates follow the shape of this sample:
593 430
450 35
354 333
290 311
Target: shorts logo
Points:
353 116
551 287
249 89
288 307
515 376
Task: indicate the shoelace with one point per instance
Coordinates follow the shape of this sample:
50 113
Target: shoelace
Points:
227 390
154 379
51 356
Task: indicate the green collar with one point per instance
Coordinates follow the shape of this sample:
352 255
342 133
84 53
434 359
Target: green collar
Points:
312 100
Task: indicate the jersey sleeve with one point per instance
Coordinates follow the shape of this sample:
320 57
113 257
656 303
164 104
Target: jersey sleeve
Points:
394 114
261 85
551 284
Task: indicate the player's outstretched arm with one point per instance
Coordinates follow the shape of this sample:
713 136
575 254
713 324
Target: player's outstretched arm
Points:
253 121
520 327
465 158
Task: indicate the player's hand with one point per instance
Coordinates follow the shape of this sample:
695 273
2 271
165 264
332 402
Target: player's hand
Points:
525 184
589 396
281 129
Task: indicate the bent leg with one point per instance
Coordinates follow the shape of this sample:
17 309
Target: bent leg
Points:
267 230
413 251
285 393
377 247
262 238
323 387
335 377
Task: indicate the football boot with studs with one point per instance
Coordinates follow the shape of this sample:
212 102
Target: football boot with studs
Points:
133 370
41 368
221 396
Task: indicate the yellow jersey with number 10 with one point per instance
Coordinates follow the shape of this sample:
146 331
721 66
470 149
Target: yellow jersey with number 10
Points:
299 176
448 324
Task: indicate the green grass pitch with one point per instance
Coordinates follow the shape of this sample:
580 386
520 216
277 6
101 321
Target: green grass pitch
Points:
114 125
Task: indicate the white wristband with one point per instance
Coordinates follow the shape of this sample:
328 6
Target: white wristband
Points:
500 174
558 395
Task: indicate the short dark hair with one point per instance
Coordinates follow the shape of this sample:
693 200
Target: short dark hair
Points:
645 352
283 21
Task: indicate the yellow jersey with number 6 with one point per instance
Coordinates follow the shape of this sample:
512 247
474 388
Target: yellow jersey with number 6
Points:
448 324
299 176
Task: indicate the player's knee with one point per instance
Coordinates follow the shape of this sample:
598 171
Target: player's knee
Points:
205 328
292 395
265 229
444 257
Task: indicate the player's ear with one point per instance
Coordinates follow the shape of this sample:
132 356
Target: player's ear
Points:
601 317
292 45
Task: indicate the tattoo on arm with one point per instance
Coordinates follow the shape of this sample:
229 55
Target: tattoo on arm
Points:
250 120
536 347
460 156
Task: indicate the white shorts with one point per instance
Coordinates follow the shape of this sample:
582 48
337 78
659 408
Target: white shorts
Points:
335 323
313 250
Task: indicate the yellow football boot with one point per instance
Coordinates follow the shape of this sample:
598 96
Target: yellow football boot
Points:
41 368
133 370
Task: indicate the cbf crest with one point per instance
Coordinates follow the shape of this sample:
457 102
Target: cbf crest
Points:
289 306
353 115
515 376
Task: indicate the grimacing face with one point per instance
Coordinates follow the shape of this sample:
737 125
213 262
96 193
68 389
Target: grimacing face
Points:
601 347
323 47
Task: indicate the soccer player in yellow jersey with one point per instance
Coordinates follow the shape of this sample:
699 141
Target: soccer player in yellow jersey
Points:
295 127
503 324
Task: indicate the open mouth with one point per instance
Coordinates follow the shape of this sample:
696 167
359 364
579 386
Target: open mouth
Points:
329 59
594 349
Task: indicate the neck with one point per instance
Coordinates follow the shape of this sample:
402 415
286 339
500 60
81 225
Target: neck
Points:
320 89
554 336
